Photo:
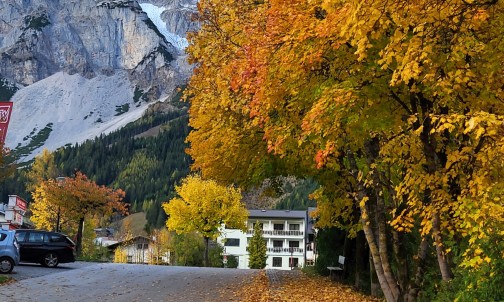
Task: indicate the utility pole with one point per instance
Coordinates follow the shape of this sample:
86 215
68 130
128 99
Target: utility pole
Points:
60 180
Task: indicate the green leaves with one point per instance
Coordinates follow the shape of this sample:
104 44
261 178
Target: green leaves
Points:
257 248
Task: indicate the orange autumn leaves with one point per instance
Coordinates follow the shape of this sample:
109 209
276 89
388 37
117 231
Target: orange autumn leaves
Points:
291 87
297 286
73 198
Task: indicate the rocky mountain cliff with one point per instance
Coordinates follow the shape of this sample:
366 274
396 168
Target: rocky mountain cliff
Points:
78 68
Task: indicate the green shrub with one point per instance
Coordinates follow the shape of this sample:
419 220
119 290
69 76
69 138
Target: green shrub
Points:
232 261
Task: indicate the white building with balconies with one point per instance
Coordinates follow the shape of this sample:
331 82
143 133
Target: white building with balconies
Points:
288 235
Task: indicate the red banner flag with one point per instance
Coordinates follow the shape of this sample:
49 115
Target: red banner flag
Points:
5 112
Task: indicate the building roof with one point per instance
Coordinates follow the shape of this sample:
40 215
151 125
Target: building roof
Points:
129 241
276 214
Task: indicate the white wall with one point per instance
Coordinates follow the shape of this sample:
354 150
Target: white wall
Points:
269 235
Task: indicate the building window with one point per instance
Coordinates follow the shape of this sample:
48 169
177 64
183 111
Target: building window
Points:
294 262
232 242
278 226
277 261
277 243
293 243
141 246
294 227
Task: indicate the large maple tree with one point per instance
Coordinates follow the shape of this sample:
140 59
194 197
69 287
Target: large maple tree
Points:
74 199
396 107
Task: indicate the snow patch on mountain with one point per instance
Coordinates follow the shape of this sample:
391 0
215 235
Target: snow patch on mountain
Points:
154 13
76 108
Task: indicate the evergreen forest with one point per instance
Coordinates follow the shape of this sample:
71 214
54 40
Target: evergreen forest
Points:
145 159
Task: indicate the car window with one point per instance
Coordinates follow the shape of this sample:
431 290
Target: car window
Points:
36 237
3 236
20 236
56 238
70 241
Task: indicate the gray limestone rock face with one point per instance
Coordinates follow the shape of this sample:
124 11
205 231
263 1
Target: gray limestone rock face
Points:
41 37
84 67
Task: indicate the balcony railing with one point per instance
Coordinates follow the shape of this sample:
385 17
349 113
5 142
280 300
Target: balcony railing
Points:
278 233
285 250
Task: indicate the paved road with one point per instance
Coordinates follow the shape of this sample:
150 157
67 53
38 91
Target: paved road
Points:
125 282
31 270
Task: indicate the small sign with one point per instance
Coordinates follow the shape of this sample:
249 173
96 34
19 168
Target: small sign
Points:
18 203
5 113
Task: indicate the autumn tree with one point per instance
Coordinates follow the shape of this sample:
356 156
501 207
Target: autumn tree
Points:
394 107
204 206
162 245
46 213
257 248
43 168
6 168
188 249
77 198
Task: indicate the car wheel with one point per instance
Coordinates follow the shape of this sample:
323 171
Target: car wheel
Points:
50 260
6 265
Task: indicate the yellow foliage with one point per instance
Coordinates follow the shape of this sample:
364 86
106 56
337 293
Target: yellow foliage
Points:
305 81
203 206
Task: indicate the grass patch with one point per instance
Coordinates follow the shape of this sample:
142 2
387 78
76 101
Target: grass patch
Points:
139 95
5 279
90 114
120 109
37 139
310 271
134 224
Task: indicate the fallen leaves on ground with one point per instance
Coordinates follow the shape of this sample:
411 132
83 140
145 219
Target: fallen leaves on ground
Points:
297 286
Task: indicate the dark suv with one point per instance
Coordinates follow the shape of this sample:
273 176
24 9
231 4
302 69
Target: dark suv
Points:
46 248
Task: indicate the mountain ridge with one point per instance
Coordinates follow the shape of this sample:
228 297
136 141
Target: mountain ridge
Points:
78 69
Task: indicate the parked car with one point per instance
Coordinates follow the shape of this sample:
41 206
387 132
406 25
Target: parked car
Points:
46 248
9 251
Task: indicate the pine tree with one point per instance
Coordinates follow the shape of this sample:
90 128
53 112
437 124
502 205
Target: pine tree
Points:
257 249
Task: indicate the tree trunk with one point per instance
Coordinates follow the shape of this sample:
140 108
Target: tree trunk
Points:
433 163
206 251
400 258
382 244
359 258
372 148
444 267
414 287
390 289
375 286
78 244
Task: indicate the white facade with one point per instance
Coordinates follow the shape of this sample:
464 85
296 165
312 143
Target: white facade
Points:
139 249
285 233
12 213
